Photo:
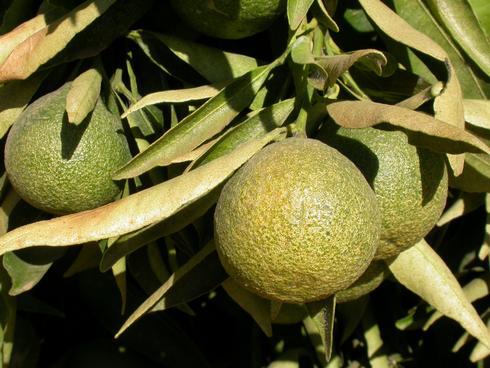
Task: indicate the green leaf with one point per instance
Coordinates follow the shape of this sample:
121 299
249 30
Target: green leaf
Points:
16 13
199 275
127 244
208 120
48 41
477 112
213 64
423 130
88 257
423 272
137 210
358 20
8 204
448 105
374 341
324 15
14 97
320 323
459 19
27 270
296 12
258 308
257 125
482 12
83 95
417 14
475 177
175 96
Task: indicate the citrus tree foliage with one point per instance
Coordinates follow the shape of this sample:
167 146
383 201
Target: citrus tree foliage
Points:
138 282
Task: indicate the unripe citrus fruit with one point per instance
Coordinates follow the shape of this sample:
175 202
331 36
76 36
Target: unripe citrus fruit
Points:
410 182
230 19
298 222
59 167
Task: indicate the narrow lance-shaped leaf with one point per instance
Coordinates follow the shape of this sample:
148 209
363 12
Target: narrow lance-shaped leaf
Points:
202 124
324 15
417 100
41 46
448 105
82 96
482 12
14 97
175 96
320 322
213 64
423 129
476 174
198 266
459 19
254 127
258 308
423 272
477 112
296 11
137 210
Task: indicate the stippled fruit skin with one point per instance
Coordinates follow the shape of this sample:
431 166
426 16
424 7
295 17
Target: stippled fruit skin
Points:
229 19
297 223
410 182
62 168
369 280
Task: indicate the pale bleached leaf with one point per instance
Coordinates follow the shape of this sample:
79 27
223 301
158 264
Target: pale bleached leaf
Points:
205 122
175 96
477 112
374 340
480 351
422 271
14 97
476 289
137 210
424 130
258 308
296 12
44 44
83 95
319 324
467 202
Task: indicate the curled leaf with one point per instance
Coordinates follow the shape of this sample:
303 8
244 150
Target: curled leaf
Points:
83 95
134 211
202 124
424 130
422 271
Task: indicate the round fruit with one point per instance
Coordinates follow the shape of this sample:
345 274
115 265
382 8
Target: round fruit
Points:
60 167
410 182
369 280
298 222
230 19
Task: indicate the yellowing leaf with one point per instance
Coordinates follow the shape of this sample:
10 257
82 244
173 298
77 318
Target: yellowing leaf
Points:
424 130
175 96
477 112
137 210
422 271
14 97
82 96
45 43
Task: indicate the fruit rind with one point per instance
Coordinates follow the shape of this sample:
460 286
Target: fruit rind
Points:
298 222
